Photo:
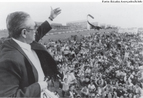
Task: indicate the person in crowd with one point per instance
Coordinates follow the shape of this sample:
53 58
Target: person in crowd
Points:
70 77
92 90
24 63
65 87
86 80
73 93
85 92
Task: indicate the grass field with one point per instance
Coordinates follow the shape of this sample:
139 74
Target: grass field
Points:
66 34
63 34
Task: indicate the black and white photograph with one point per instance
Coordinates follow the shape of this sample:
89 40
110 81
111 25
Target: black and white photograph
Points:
71 49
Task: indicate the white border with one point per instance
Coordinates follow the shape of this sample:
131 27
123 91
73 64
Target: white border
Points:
50 0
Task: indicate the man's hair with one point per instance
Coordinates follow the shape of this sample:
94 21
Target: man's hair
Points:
16 22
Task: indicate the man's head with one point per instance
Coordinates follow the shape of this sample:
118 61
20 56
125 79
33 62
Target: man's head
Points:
21 26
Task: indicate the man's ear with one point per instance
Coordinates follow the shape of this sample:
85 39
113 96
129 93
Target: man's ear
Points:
23 33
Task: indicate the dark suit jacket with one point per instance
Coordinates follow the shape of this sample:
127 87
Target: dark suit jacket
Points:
18 76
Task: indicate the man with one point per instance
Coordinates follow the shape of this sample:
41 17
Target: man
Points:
24 63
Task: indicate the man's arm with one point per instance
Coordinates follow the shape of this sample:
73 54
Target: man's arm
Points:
45 27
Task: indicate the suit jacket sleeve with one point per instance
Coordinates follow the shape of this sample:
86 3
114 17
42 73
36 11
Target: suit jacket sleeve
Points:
42 30
10 78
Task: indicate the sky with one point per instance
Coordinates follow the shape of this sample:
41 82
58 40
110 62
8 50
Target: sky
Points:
125 15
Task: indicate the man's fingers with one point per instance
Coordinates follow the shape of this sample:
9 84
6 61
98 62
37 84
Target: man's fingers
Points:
57 11
56 8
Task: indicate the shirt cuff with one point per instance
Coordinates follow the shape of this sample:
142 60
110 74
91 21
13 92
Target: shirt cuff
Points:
49 21
43 85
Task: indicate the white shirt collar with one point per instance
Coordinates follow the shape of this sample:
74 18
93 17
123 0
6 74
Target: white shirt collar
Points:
22 44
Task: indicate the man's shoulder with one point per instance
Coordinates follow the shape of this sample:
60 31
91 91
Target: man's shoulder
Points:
8 45
8 50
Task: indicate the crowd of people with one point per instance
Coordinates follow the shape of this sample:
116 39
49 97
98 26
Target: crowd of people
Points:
100 65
